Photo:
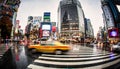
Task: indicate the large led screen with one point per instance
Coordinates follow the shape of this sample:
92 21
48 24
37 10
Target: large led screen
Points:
46 27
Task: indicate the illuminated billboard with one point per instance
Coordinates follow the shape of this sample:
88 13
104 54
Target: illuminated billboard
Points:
46 27
46 33
113 33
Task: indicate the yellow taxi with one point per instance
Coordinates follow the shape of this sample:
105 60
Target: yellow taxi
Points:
49 47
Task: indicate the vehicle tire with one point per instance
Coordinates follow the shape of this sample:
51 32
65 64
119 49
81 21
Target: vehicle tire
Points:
33 50
58 52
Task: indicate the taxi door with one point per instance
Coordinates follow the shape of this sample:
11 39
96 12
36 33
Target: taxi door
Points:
47 48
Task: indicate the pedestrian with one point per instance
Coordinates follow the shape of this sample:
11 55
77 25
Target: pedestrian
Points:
111 43
101 45
6 40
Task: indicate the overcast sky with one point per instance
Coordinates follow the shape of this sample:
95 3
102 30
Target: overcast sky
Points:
92 10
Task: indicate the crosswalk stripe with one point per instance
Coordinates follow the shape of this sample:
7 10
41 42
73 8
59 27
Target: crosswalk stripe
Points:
90 59
103 65
94 63
74 56
74 60
77 53
32 66
74 63
38 67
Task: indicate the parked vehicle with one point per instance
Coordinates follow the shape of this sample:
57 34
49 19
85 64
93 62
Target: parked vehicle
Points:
116 47
106 45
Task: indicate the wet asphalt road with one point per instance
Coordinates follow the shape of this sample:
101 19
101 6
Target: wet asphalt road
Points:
18 57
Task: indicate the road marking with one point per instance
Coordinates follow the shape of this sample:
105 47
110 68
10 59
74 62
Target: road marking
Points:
85 59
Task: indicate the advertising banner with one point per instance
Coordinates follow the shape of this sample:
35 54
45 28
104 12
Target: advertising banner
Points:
11 2
17 26
46 17
46 33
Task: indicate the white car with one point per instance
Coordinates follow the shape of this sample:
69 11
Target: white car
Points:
116 47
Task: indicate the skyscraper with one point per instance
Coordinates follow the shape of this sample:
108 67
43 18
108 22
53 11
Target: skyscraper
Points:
89 33
111 16
70 19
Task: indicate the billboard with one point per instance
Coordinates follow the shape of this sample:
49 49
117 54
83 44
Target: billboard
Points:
46 27
46 33
53 23
17 26
46 17
12 2
113 33
37 20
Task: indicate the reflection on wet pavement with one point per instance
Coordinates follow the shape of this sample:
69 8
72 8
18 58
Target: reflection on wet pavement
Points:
79 57
17 57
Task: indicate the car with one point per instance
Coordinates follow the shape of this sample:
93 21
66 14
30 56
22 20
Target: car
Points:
116 47
49 47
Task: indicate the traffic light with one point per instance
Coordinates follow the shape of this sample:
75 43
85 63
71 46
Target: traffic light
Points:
113 33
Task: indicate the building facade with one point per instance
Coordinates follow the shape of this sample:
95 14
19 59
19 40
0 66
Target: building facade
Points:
89 33
111 19
33 25
8 13
70 19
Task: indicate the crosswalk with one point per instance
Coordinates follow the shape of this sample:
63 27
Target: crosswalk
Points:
85 59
